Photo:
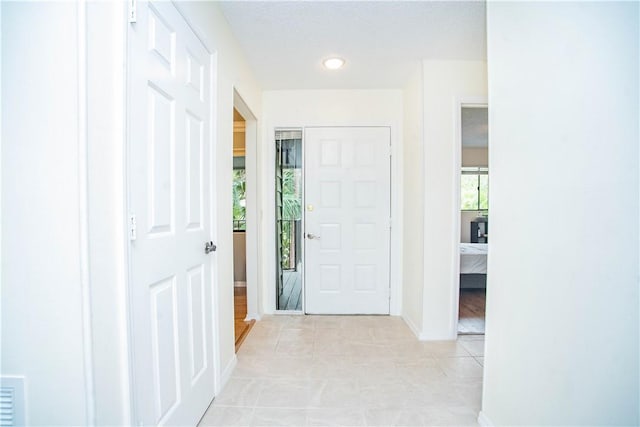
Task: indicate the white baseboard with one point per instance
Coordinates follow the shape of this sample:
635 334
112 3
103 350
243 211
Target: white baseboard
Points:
411 326
239 284
426 337
253 316
484 421
226 373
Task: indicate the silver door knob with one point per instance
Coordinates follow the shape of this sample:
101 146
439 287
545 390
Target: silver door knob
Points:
312 236
209 247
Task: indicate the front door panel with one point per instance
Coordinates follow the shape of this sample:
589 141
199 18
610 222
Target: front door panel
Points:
347 175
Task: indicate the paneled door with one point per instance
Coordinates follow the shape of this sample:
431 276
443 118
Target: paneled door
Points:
169 175
347 220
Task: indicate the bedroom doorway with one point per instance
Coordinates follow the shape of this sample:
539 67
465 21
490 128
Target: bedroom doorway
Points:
474 218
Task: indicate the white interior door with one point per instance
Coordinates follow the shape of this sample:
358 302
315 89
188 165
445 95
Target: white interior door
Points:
169 193
347 220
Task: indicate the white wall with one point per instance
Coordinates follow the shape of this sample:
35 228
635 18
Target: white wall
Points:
63 196
445 84
42 289
331 108
106 210
562 304
413 209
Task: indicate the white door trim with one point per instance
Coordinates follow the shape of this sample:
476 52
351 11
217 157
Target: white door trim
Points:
268 172
459 103
252 234
107 185
302 222
83 215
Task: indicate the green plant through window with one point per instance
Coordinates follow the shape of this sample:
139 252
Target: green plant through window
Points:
239 199
474 189
291 212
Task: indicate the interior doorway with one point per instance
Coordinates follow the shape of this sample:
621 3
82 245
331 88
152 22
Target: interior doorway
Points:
474 218
241 324
246 227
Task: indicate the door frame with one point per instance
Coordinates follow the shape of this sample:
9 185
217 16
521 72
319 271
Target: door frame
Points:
459 103
302 222
252 233
268 172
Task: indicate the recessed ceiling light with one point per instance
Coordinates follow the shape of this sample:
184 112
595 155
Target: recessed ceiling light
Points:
333 63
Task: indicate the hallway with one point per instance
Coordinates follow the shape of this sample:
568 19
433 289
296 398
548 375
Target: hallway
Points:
349 370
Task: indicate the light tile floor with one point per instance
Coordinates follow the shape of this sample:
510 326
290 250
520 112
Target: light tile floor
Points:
349 371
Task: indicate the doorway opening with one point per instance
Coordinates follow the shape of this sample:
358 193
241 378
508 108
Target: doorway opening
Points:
289 277
474 218
239 192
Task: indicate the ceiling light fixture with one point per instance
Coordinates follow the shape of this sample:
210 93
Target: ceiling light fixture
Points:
333 63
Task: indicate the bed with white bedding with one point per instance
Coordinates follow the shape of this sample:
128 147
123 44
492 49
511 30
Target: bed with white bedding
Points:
473 265
473 258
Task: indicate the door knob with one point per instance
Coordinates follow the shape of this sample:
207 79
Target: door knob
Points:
209 247
312 236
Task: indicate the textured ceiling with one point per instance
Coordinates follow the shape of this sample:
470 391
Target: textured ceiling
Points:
382 41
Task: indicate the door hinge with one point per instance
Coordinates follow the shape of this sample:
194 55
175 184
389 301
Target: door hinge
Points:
133 11
132 226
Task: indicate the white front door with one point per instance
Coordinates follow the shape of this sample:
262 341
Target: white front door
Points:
169 120
347 220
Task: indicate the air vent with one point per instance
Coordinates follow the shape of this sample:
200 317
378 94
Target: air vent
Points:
12 401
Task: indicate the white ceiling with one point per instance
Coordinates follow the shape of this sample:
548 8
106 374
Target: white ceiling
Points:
475 127
381 41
